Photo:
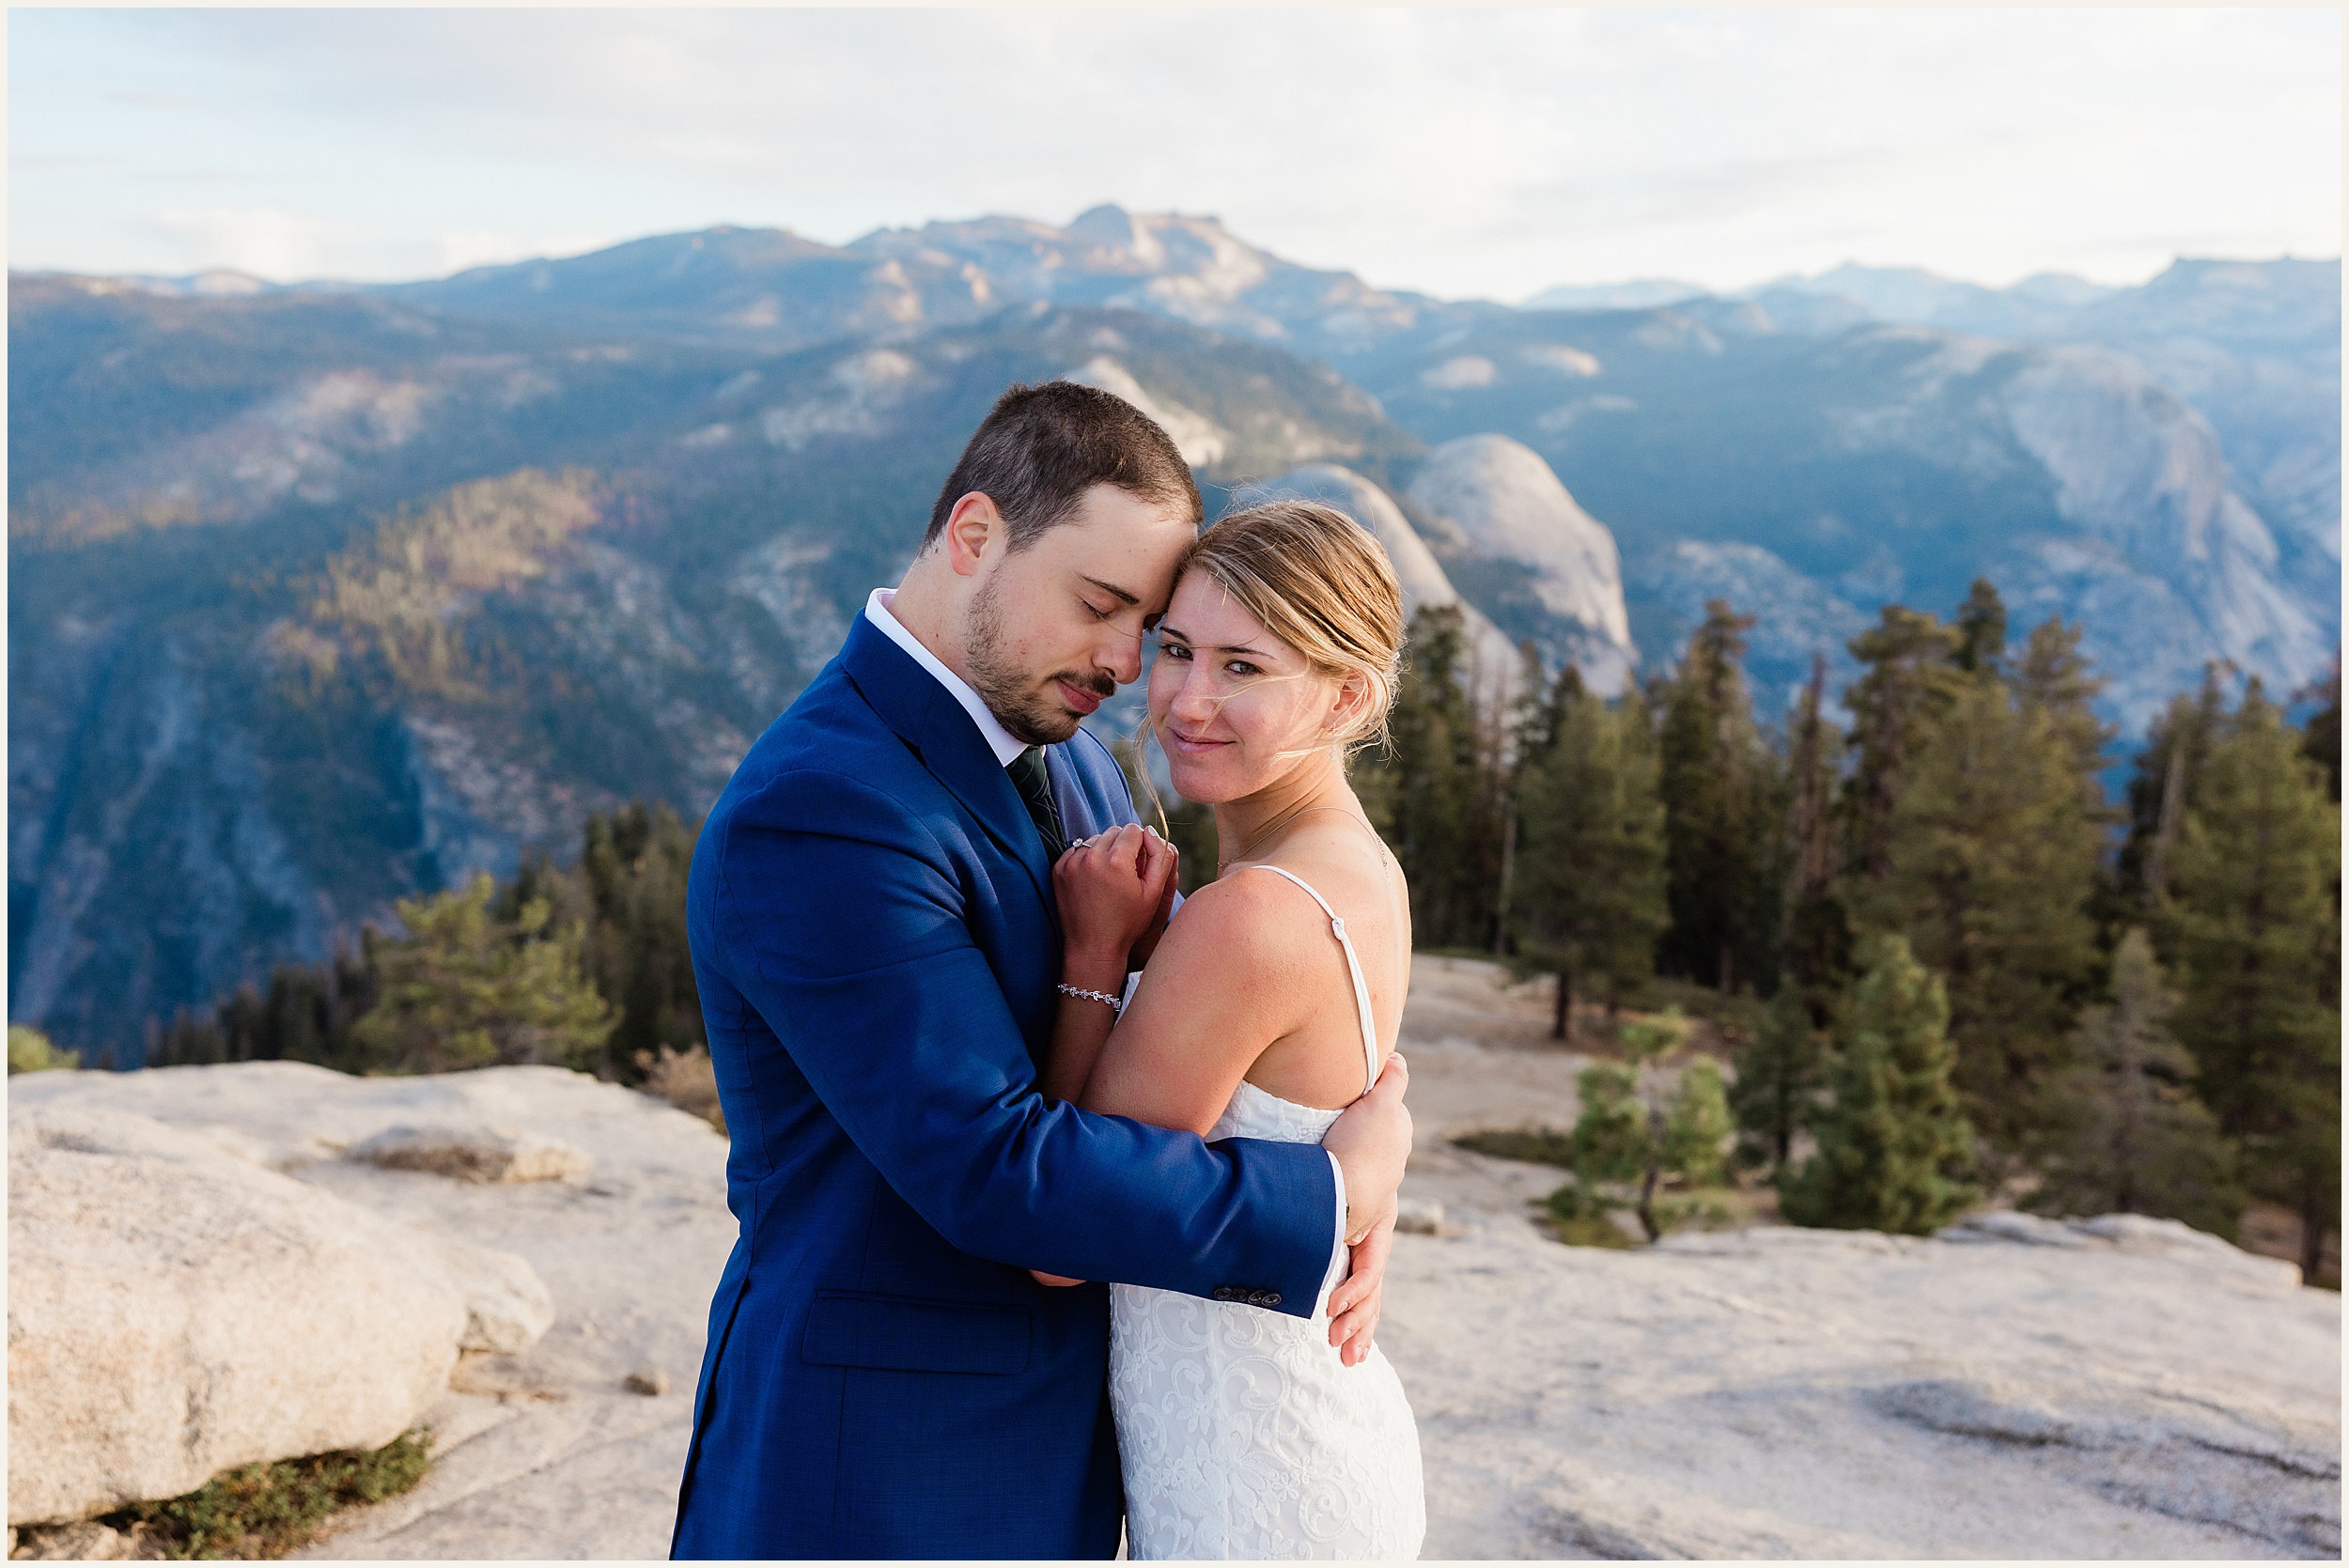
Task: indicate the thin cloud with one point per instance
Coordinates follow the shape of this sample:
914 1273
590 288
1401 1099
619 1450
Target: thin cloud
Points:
1462 152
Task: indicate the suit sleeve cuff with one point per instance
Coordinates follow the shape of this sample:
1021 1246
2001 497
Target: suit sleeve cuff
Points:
1337 1174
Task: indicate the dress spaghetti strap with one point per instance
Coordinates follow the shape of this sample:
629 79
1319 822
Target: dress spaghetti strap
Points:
1353 968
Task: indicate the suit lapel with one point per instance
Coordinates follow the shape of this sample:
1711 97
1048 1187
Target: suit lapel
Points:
911 700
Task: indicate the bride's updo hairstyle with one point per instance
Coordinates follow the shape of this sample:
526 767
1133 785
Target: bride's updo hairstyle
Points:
1320 582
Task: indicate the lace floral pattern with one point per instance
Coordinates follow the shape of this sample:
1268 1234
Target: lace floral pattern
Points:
1243 1436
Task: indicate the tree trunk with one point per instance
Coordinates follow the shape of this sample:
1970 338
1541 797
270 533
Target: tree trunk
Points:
1564 1021
2165 824
1508 863
1647 1204
2313 1217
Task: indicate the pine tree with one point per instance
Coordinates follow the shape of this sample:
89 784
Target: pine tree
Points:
621 907
307 1014
632 866
2127 1134
1816 943
1911 676
2161 789
2053 680
1645 1127
1894 1145
1437 795
1981 631
1989 860
2324 730
2255 929
465 989
1779 1078
1587 894
1719 825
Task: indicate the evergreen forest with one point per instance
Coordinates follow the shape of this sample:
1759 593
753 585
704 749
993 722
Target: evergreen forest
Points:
1951 965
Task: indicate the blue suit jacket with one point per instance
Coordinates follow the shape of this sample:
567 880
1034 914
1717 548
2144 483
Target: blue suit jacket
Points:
874 939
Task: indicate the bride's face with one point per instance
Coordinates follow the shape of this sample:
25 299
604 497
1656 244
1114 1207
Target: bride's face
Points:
1234 705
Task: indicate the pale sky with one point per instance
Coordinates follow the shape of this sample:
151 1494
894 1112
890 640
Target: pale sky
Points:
1463 152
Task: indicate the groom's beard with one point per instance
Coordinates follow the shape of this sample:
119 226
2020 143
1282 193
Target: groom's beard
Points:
1026 706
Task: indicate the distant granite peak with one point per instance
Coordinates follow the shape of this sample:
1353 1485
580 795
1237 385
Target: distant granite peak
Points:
1498 505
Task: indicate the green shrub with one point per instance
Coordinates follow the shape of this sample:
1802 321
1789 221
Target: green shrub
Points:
267 1511
1535 1145
1579 1219
29 1051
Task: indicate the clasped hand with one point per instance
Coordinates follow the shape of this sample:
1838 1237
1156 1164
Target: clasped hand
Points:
1116 891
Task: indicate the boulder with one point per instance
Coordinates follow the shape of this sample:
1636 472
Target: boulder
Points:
83 1541
175 1310
508 1308
1419 1217
473 1153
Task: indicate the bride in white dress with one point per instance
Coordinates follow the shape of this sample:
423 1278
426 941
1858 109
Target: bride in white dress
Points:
1270 1002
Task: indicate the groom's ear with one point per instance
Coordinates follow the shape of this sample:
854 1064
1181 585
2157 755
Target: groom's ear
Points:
973 529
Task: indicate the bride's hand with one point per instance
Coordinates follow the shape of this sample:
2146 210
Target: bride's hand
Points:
1109 888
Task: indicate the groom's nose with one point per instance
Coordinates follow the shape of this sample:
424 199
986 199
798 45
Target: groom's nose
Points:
1119 653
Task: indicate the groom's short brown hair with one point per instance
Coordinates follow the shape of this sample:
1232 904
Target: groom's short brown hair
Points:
1041 447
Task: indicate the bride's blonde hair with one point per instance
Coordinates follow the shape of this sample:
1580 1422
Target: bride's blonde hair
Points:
1316 580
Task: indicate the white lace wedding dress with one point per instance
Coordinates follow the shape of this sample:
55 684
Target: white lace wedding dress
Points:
1242 1433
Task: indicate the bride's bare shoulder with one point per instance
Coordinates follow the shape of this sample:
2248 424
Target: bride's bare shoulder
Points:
1243 900
1247 920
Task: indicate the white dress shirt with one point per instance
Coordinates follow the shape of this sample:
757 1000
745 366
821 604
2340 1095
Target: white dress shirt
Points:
1007 748
1000 741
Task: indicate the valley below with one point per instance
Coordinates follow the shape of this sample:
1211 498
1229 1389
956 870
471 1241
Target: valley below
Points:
322 595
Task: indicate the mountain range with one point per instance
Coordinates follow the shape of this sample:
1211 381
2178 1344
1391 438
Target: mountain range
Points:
324 594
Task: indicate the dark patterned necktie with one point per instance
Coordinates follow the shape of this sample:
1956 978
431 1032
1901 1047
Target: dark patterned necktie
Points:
1028 772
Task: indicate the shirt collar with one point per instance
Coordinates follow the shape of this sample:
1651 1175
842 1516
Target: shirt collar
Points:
999 740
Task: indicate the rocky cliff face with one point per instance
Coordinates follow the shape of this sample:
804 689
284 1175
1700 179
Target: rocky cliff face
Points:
1549 570
242 728
1811 479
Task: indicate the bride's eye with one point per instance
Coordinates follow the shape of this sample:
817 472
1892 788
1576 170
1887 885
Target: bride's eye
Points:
1174 650
1241 667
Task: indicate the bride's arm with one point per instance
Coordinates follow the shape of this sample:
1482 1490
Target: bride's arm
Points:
1227 979
1224 982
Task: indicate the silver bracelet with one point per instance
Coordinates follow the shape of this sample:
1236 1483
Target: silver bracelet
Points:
1116 1005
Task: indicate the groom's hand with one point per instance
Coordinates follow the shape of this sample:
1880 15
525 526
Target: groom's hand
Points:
1372 1142
1354 1306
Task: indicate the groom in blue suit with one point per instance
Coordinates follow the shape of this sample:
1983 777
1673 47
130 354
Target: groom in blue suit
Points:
874 936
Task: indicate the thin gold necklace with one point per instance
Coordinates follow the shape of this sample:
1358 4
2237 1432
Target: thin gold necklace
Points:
1258 837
